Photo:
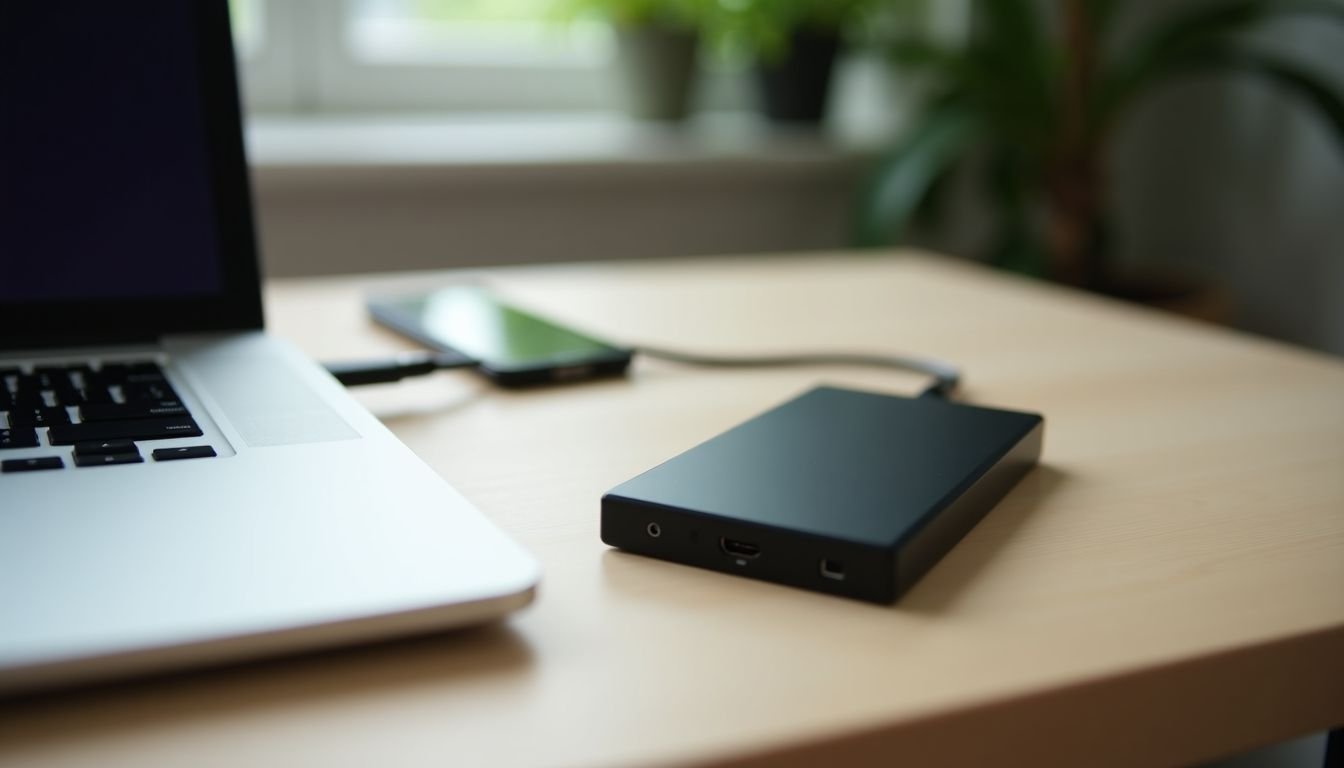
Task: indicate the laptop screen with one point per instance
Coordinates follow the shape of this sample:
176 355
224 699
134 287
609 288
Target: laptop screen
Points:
105 180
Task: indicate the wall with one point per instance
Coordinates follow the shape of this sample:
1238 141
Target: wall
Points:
1224 177
1238 181
360 219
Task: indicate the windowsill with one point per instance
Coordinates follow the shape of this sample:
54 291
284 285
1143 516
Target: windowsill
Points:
538 140
357 193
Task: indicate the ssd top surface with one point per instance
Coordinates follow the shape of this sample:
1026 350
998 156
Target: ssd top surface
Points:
838 463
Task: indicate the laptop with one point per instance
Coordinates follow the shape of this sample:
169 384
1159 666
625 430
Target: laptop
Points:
178 488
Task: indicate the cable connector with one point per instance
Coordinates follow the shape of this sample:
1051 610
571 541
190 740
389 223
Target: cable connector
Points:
356 373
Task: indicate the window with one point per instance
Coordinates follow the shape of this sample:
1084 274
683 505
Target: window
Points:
377 55
247 29
467 32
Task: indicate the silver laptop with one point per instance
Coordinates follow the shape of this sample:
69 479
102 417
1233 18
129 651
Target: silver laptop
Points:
177 487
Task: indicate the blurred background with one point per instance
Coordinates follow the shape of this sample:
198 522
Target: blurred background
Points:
1188 154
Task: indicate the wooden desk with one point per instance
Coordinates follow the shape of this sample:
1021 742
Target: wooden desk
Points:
1168 588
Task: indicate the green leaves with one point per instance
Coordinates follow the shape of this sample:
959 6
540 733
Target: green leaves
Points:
1038 94
914 54
1011 43
904 177
1199 33
1291 76
759 27
1017 243
1301 82
764 27
688 13
999 89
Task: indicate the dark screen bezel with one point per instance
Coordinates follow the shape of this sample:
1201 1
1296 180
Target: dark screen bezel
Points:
237 306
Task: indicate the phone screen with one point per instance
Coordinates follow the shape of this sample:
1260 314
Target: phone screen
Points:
503 338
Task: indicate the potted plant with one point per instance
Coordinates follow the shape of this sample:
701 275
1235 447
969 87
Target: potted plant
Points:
657 51
1037 98
795 44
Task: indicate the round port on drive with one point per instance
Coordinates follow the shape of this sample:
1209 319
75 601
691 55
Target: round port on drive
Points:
654 530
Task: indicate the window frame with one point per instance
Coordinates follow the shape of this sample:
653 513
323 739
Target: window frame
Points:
305 63
268 70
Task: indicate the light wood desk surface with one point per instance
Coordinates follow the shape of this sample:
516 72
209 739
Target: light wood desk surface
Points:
1167 587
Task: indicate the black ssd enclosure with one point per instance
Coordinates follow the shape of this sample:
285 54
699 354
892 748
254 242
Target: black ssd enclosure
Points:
845 492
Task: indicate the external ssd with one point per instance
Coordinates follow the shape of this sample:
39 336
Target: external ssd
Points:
849 493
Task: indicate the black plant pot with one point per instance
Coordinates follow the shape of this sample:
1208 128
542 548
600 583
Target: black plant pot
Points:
796 85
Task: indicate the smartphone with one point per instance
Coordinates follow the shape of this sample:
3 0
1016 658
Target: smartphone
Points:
514 348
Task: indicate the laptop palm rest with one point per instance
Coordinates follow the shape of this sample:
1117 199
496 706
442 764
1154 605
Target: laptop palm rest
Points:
251 383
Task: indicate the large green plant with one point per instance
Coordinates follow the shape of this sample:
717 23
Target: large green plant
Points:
1037 92
756 26
698 14
764 27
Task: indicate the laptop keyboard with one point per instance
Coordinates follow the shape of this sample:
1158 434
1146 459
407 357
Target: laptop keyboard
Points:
102 411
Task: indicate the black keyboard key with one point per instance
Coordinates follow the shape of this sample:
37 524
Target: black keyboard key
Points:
80 374
38 417
32 465
147 377
104 447
71 396
160 390
49 377
130 411
107 459
122 370
29 398
188 452
65 395
96 381
23 437
98 396
143 429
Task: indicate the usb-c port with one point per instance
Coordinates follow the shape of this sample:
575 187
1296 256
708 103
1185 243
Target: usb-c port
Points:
742 550
833 570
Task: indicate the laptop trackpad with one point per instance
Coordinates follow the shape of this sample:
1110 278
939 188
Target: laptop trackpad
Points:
260 394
